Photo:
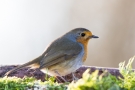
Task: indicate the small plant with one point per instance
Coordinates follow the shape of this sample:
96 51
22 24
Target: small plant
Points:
129 75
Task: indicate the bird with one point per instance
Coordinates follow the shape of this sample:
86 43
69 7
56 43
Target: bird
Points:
64 55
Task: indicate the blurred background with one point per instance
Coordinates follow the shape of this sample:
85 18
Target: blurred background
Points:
28 26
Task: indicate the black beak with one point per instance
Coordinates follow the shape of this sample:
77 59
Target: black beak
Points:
93 36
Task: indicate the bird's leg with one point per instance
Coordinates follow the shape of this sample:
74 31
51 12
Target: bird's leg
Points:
57 79
60 76
74 77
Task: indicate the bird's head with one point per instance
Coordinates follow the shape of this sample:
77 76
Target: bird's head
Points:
81 35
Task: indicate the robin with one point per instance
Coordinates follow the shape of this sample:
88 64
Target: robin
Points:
64 55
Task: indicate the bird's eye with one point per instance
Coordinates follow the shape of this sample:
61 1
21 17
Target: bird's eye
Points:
82 34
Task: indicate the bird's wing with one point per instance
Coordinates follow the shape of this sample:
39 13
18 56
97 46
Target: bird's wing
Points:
60 51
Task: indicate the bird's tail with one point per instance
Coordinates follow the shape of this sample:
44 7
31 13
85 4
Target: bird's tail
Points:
35 61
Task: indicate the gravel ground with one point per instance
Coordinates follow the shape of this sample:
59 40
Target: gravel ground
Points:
39 75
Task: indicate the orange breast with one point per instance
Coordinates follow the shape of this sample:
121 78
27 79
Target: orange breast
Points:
85 52
84 43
